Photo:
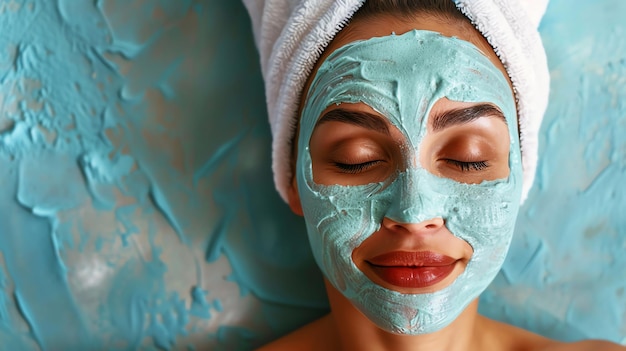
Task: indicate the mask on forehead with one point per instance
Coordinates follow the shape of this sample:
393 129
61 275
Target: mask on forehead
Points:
401 77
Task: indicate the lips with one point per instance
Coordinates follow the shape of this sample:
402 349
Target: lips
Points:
412 269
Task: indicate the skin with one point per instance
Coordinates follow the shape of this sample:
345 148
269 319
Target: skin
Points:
484 139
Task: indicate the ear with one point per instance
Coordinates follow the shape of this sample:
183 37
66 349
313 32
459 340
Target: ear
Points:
293 198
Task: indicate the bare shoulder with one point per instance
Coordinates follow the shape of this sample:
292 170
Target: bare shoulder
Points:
587 345
312 336
507 337
502 336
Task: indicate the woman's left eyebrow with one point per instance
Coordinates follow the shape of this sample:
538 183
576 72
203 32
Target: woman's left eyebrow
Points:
445 119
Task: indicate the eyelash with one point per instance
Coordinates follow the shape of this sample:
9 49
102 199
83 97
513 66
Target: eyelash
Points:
469 166
360 167
355 168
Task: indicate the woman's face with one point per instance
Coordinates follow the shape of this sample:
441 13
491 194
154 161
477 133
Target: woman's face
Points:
353 145
408 170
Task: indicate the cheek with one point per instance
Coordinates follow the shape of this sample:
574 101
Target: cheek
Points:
337 216
335 230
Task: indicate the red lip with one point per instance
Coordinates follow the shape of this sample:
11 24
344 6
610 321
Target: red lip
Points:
412 269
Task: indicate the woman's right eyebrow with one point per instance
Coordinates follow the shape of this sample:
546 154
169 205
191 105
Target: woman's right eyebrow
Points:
359 118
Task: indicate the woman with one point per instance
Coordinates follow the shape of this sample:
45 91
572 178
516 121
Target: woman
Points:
409 173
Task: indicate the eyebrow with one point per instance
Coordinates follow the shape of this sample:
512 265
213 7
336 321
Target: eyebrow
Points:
445 119
440 120
358 118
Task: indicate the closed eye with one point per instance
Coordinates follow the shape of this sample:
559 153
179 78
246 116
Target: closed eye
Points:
468 166
354 168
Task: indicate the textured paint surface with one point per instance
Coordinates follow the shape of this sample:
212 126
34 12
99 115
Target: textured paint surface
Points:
137 209
131 215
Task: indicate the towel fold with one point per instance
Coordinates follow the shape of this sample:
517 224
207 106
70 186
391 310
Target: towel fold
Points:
292 34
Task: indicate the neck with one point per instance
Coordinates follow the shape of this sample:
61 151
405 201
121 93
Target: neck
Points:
351 330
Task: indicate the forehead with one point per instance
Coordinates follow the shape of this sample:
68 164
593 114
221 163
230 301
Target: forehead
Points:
385 24
403 76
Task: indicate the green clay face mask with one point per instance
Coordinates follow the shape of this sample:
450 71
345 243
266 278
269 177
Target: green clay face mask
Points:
401 77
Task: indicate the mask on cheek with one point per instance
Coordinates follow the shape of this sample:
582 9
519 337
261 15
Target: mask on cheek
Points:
403 86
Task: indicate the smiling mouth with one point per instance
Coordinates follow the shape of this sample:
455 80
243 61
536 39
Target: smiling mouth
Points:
412 269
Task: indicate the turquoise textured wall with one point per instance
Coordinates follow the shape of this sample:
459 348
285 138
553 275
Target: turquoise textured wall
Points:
137 210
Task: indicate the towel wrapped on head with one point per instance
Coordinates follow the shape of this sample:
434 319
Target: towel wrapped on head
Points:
292 34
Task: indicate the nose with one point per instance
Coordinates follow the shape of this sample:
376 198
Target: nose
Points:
414 200
424 227
415 206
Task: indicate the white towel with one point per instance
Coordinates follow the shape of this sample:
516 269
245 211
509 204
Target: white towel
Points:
292 34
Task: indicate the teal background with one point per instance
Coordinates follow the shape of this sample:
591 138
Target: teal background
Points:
137 210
